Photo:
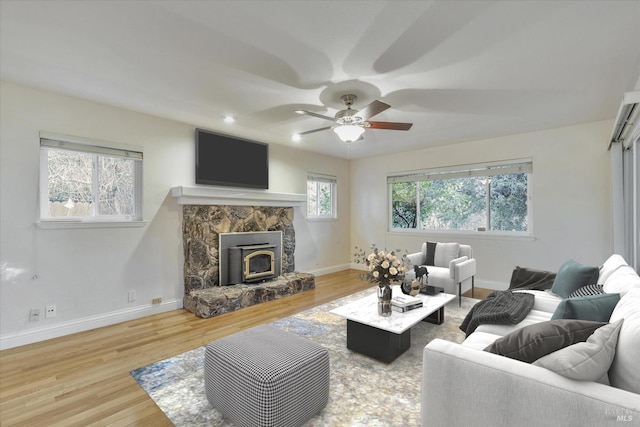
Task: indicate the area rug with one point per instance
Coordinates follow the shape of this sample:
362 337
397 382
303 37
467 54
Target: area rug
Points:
363 391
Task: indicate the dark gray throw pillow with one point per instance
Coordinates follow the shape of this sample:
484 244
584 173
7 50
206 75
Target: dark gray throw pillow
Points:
534 341
431 253
571 276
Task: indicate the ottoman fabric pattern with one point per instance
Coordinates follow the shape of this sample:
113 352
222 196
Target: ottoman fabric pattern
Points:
265 376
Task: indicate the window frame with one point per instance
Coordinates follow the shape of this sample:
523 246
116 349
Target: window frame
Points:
96 149
460 171
333 181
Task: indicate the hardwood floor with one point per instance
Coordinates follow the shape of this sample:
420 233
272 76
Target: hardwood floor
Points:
83 379
479 293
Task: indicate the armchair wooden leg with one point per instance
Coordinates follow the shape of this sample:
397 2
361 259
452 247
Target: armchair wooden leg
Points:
459 294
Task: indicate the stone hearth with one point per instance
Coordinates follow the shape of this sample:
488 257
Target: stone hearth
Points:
201 227
224 299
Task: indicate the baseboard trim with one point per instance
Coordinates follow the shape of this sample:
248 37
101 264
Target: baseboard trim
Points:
331 269
84 324
487 284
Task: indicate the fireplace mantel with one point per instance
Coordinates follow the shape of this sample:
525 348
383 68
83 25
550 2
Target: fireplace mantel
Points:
241 197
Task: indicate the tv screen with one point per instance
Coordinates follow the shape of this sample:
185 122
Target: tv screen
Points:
230 161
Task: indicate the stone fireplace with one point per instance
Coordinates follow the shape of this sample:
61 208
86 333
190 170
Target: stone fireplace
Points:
213 233
249 257
202 227
251 263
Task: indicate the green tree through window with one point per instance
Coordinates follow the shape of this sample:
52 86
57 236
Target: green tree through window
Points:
491 201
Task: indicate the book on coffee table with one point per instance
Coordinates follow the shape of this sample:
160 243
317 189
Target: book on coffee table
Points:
406 308
405 303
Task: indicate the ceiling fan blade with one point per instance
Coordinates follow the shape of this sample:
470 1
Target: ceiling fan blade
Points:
390 125
312 114
315 130
376 107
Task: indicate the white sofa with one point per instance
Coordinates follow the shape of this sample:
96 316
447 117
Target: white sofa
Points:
453 268
466 386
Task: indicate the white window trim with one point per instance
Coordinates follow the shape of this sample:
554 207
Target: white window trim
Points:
87 145
456 234
478 169
60 224
318 177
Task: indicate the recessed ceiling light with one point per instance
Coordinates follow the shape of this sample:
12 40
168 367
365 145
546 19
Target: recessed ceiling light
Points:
296 137
229 119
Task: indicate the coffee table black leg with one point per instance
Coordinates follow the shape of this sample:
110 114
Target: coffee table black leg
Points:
381 345
437 317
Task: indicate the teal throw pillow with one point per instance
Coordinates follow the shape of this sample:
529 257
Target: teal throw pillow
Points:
597 308
571 276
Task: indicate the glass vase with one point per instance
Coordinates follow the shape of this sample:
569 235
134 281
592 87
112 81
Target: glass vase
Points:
384 300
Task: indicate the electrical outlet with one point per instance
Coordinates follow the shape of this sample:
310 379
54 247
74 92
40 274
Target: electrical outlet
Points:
132 295
34 315
156 301
50 311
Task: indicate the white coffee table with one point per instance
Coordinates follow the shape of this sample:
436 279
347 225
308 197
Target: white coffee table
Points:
386 338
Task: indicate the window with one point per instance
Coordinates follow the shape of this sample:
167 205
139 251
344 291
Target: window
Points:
489 197
321 196
84 182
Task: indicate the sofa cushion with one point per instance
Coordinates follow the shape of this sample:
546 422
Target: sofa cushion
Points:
573 275
587 290
591 307
622 280
544 300
624 372
479 340
610 265
585 361
533 317
534 341
445 253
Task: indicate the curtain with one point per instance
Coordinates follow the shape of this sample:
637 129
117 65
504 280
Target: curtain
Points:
625 164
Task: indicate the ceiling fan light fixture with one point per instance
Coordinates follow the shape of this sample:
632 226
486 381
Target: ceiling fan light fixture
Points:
349 133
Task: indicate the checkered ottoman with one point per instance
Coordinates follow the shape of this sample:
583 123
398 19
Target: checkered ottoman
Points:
265 376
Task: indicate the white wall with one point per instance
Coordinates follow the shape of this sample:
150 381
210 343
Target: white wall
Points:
571 199
86 273
321 246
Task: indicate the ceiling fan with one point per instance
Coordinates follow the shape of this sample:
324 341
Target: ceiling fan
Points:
351 124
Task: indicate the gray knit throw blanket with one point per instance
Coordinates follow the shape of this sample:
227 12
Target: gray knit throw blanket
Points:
499 307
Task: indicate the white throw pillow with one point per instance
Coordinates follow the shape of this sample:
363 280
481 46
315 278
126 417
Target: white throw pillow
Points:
624 372
621 281
445 253
610 265
585 361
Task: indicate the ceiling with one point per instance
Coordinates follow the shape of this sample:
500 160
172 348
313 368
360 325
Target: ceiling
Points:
458 70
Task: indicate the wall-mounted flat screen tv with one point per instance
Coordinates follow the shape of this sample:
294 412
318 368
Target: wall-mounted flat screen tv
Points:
229 161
